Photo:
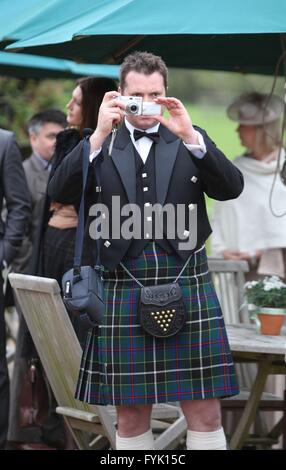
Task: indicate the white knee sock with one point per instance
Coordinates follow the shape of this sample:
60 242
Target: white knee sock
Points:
143 442
214 440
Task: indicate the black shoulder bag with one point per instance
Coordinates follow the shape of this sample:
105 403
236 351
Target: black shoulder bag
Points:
162 312
83 291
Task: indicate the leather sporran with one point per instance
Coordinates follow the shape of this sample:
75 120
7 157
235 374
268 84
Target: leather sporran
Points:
34 401
162 311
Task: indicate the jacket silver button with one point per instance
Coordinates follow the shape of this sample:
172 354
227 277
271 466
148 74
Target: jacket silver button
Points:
107 243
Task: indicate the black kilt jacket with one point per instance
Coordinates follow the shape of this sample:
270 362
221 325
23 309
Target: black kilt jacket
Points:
181 178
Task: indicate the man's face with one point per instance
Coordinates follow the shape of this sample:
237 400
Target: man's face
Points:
43 143
148 87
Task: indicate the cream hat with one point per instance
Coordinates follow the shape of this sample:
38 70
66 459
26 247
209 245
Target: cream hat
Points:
255 109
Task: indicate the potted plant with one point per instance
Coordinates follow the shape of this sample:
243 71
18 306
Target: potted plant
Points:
267 298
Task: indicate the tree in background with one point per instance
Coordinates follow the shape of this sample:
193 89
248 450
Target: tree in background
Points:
217 88
21 98
213 91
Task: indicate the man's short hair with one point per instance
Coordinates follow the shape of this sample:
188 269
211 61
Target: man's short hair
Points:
37 121
143 62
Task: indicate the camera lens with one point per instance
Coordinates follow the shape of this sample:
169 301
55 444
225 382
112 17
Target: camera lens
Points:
133 108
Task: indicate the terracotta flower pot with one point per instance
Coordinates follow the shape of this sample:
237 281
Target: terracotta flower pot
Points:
269 320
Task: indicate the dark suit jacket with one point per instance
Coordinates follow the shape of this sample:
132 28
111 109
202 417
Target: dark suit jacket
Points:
13 188
37 180
175 169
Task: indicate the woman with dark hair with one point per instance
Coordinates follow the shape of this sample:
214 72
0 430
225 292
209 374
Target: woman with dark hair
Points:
60 221
86 99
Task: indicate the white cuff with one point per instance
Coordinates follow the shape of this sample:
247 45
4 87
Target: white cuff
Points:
212 440
198 150
94 154
144 441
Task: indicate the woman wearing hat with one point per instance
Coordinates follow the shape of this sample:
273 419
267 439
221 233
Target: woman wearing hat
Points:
245 228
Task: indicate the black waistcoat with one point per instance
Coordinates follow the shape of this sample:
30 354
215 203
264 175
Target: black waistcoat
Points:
145 195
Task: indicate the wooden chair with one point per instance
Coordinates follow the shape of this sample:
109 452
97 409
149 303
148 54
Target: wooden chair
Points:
229 279
60 354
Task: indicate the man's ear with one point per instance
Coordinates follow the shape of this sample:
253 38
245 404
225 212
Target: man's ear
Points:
32 138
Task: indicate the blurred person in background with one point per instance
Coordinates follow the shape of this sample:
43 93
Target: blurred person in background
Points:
56 250
43 129
245 228
13 189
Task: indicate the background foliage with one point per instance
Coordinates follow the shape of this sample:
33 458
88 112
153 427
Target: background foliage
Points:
207 93
20 99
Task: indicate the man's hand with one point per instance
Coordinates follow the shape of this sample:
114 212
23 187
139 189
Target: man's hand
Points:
111 112
179 121
240 255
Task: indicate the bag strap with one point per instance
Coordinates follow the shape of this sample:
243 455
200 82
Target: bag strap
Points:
80 226
141 285
131 275
97 175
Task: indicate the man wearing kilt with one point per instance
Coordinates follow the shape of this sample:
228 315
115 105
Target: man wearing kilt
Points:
123 365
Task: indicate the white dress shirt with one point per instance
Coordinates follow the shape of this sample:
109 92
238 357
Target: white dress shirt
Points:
144 144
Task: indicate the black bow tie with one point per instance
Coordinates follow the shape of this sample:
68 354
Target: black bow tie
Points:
151 135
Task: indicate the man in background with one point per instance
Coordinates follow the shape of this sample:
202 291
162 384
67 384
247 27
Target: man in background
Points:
43 129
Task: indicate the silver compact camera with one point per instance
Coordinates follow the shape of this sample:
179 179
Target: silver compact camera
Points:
135 106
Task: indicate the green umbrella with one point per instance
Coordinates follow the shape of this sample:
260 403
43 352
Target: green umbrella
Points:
31 66
222 35
39 16
20 17
14 14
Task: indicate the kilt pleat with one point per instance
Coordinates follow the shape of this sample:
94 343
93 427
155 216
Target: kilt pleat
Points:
121 365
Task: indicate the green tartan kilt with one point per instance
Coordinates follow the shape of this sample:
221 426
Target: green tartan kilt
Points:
122 365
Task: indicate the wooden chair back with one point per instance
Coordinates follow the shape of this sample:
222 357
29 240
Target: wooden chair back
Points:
229 278
60 354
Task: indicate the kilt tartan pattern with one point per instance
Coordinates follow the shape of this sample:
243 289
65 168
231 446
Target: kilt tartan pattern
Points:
121 365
